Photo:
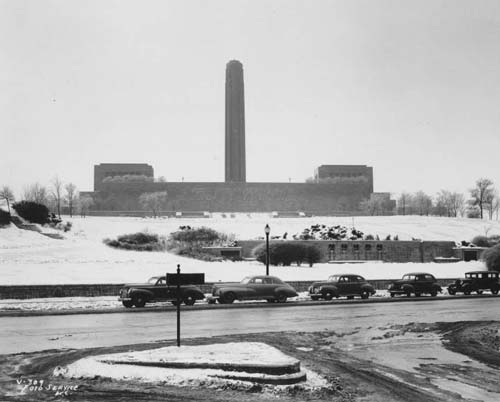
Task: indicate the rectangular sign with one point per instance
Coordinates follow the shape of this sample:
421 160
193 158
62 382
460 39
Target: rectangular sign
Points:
185 279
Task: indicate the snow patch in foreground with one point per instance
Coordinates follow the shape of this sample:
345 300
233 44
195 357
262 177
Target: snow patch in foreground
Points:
237 353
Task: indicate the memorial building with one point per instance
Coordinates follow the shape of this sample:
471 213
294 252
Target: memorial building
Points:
335 189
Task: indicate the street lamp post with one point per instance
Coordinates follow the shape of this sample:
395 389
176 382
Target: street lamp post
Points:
267 229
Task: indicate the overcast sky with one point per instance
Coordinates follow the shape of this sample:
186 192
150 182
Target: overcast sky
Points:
411 88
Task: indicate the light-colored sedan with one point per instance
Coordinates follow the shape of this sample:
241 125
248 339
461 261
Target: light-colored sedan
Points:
263 287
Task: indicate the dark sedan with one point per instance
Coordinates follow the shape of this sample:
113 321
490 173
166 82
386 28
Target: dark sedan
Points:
263 287
416 283
341 285
156 290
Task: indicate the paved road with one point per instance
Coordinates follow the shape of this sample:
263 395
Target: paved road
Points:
28 334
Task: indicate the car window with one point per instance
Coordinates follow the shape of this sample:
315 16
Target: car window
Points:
268 281
257 281
409 277
161 282
333 278
360 279
429 277
344 279
246 280
277 281
153 280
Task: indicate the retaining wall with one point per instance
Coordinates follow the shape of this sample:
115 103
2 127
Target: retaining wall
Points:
92 290
369 250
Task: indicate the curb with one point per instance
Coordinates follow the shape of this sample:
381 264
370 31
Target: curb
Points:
123 310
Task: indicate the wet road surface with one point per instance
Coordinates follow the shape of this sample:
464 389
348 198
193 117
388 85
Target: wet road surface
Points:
29 334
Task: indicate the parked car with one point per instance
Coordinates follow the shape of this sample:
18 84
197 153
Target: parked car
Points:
264 287
416 283
155 290
476 281
341 285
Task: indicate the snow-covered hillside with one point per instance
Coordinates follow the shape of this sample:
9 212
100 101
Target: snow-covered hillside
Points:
30 258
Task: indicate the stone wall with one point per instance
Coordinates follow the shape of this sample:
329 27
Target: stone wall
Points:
237 197
45 291
384 250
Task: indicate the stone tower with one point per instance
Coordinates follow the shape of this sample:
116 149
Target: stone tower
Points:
235 123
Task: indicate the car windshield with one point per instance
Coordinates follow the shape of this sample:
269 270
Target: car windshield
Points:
153 280
246 280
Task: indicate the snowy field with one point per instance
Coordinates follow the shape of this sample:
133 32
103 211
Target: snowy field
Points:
30 258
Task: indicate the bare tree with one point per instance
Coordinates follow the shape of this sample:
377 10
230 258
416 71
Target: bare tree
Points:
7 195
404 201
56 193
457 204
493 204
84 204
35 192
482 194
422 203
153 202
442 207
71 196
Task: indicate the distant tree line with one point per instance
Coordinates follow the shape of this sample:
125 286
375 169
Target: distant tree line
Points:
55 197
483 201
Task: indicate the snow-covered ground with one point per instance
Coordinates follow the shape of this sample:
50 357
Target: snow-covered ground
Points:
233 353
30 258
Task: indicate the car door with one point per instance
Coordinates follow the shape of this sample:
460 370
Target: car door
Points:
253 288
160 290
344 285
420 283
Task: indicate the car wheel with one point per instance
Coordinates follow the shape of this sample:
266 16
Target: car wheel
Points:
451 292
467 291
281 298
127 303
189 300
327 296
365 294
408 293
494 291
479 292
229 297
139 301
434 293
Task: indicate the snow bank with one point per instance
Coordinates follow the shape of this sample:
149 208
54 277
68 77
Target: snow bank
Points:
237 353
30 258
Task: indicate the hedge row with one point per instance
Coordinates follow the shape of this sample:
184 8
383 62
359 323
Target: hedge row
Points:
286 253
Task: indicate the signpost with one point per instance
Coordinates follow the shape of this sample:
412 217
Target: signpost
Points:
179 279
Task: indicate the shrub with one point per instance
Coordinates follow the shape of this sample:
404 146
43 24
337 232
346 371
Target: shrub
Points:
201 235
4 217
140 241
285 253
492 258
32 211
188 241
481 241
